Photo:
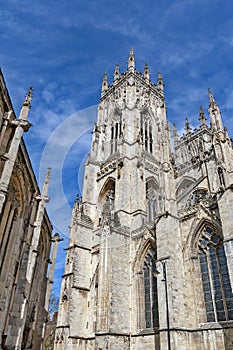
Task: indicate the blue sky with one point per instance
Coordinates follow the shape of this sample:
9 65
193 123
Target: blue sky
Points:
62 48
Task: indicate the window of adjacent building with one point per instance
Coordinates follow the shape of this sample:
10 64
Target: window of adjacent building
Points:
146 133
150 290
215 277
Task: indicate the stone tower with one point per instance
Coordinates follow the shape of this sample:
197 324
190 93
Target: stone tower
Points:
142 203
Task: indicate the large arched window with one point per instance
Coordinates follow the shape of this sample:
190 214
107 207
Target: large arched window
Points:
215 277
150 290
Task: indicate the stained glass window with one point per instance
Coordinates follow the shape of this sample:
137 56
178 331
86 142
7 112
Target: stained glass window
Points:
215 277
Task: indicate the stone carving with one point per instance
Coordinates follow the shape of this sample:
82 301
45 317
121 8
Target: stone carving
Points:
109 168
199 196
152 168
106 232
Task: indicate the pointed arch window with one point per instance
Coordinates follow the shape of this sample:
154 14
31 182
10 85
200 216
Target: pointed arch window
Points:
150 290
221 176
116 133
146 133
217 289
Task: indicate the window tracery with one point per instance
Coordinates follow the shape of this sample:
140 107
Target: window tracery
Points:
198 196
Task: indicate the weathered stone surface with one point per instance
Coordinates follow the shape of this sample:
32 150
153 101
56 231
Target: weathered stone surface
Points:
141 202
25 233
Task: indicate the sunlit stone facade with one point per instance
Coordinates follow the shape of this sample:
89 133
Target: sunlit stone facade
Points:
25 234
145 199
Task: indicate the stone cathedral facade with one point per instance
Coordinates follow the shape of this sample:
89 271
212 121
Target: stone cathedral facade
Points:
25 234
144 201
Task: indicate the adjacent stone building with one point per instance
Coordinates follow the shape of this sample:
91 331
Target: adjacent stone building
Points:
150 207
25 234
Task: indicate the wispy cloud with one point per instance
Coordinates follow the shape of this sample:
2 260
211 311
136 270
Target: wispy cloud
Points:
63 48
59 144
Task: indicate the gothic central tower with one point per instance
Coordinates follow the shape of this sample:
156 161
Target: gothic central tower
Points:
142 202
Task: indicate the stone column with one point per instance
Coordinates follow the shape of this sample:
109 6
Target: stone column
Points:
55 239
43 199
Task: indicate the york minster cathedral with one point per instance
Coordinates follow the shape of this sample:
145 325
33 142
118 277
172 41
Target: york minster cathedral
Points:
150 258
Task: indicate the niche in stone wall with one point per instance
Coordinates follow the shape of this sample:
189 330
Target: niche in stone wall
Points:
106 201
153 199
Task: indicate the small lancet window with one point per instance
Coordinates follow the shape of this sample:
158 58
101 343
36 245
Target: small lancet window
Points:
150 139
146 133
217 289
116 133
150 290
221 177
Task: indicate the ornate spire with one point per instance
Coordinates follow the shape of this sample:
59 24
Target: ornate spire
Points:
131 61
211 97
26 105
202 117
160 82
215 114
146 72
116 73
187 126
213 106
104 84
28 97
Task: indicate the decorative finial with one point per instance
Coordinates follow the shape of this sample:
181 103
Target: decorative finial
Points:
46 185
160 82
215 114
77 198
26 105
28 98
104 84
211 97
146 72
116 73
187 126
131 61
202 117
